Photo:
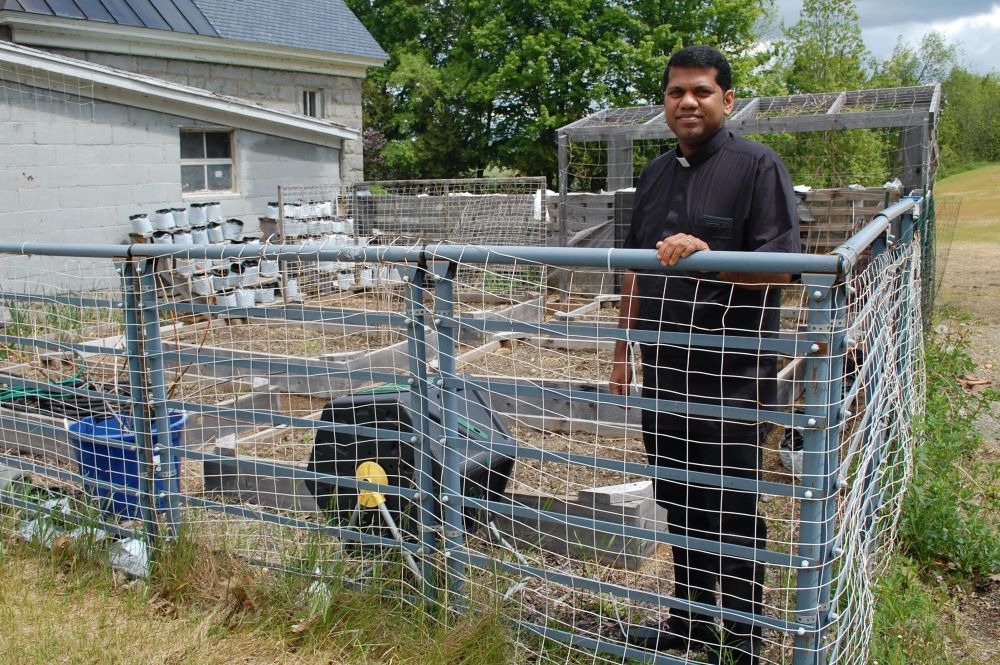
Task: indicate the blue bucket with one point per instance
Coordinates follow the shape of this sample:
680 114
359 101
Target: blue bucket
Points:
106 452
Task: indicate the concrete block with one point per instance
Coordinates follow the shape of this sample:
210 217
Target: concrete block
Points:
9 200
163 173
110 114
157 195
24 155
37 199
92 134
17 133
123 133
147 154
127 62
555 535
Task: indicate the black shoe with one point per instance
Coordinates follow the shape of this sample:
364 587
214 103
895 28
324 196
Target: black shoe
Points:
742 650
673 633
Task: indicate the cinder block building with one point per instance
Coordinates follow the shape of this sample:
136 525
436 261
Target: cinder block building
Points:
112 107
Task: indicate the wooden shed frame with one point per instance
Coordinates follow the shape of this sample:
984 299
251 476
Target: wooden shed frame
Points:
913 109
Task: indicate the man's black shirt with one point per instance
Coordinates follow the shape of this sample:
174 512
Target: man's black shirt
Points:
735 195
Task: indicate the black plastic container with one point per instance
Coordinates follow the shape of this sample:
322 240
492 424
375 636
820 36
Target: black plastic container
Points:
484 473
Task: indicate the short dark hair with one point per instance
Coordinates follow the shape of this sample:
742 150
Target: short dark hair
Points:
701 57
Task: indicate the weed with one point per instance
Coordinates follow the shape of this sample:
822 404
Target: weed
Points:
906 626
950 513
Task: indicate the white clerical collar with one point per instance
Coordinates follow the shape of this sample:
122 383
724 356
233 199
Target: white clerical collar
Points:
683 161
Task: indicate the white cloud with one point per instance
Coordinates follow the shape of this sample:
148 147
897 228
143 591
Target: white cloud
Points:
977 35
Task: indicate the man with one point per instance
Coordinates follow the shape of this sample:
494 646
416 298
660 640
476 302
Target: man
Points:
714 191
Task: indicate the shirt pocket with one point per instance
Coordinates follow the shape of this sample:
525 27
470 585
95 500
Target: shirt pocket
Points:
718 232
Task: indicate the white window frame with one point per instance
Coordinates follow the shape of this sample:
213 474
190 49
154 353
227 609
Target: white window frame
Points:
207 162
312 97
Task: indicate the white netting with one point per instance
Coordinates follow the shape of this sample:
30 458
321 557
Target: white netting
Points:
30 94
557 528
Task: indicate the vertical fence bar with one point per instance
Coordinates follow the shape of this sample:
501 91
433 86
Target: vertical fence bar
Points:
426 502
823 376
132 292
451 480
163 450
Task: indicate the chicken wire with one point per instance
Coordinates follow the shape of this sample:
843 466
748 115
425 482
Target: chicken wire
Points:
446 390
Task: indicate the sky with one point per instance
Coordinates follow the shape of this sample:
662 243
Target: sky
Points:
975 24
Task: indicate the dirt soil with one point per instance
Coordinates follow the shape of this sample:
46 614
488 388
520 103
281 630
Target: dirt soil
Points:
968 296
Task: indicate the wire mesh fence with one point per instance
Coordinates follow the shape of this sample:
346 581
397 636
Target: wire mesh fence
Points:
398 436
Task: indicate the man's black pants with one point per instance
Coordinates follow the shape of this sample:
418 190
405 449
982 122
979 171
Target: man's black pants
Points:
710 513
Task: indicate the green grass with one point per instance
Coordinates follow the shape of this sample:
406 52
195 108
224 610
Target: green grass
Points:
950 526
66 605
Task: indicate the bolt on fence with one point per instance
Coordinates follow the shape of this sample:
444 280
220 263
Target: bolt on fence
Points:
453 440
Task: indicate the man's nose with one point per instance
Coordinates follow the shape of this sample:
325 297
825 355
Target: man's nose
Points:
688 100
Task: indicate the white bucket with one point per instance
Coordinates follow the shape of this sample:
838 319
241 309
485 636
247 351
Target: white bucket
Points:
199 235
367 277
226 299
345 280
264 295
180 216
268 267
183 238
292 287
140 224
163 220
162 238
272 210
197 213
244 298
251 274
232 229
202 285
214 211
215 233
220 282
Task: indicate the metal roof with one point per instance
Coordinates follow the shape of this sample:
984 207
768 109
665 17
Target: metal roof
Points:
878 107
318 25
175 15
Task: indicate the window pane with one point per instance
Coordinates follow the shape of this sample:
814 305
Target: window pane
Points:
309 103
193 178
192 145
217 145
220 177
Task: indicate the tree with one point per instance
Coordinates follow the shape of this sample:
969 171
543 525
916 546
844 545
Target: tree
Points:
932 60
969 130
472 84
824 52
825 47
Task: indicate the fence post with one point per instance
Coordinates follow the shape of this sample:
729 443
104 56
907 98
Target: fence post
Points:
163 451
426 501
451 479
823 397
141 413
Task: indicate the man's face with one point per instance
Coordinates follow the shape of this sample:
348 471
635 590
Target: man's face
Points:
695 105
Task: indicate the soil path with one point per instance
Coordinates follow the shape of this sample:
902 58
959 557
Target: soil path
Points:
970 297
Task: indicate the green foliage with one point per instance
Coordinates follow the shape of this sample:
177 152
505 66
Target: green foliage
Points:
951 513
824 52
969 130
907 627
931 60
825 49
471 85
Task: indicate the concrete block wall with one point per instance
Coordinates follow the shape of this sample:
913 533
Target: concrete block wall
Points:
274 88
74 169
